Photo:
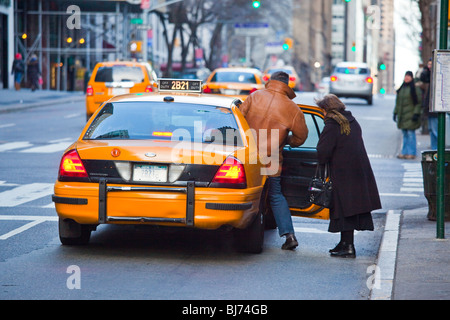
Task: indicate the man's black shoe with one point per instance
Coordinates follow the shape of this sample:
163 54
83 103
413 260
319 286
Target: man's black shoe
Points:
291 242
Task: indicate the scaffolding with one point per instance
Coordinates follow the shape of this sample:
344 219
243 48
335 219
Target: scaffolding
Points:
69 38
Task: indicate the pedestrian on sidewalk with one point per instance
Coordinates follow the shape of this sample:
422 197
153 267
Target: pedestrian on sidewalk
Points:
33 72
18 69
425 77
272 113
355 192
407 111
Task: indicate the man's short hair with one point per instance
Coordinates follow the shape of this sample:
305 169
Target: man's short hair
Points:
280 76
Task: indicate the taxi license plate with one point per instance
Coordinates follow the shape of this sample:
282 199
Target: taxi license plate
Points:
230 91
117 91
149 173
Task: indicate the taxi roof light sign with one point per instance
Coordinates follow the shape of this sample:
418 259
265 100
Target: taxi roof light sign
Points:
180 85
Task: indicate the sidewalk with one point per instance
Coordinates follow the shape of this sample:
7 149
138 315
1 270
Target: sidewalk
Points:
12 100
413 264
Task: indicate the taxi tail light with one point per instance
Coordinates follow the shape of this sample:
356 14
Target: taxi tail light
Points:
369 80
230 173
253 90
148 89
266 78
207 89
71 166
291 78
333 78
89 91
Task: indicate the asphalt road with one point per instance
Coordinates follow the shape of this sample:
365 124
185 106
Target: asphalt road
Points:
169 263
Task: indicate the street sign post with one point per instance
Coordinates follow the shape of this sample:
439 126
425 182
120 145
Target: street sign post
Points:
274 47
440 205
251 29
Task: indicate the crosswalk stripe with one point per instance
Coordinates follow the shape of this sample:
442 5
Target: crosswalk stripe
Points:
61 146
35 220
14 145
25 193
20 229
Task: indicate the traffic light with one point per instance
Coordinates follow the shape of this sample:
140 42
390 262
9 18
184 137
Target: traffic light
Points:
353 46
256 4
381 66
382 90
287 43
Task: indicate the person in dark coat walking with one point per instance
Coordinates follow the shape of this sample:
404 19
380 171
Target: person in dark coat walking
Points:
33 72
18 69
425 77
355 192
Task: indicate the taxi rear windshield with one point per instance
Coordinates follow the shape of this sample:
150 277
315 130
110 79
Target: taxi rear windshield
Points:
165 121
352 70
119 74
234 76
272 71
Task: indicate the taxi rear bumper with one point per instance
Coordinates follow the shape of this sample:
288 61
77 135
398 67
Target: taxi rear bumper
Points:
189 206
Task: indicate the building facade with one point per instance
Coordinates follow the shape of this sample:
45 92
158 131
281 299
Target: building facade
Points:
6 43
312 30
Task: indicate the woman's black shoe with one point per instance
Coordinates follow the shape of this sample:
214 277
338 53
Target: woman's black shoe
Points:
346 251
337 248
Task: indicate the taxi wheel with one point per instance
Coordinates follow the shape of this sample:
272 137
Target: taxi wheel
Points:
73 233
251 239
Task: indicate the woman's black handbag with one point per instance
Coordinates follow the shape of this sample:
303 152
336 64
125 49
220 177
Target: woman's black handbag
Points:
320 188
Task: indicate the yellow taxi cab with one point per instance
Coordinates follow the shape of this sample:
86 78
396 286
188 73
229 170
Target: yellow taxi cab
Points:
177 157
113 78
234 81
294 79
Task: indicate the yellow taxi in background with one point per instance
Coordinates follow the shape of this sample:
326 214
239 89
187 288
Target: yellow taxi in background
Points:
110 79
177 157
294 79
234 81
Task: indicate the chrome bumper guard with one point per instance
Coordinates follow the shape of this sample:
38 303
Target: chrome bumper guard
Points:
103 190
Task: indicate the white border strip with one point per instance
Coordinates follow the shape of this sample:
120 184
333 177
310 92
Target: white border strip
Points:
387 256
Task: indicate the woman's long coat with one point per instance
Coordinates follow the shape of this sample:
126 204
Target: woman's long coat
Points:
354 187
405 108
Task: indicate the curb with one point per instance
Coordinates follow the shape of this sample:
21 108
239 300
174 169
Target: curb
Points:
19 107
384 272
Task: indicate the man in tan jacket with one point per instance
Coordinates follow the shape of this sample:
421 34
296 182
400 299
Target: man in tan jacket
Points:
272 114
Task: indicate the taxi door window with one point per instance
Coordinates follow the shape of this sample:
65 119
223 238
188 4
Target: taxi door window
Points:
315 126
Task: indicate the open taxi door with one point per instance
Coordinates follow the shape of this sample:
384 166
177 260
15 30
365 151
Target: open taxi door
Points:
299 166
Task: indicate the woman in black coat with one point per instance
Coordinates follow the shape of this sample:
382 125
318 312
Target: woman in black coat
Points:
355 192
33 72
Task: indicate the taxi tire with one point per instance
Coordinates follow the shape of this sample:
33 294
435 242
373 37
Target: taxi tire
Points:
73 233
251 239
